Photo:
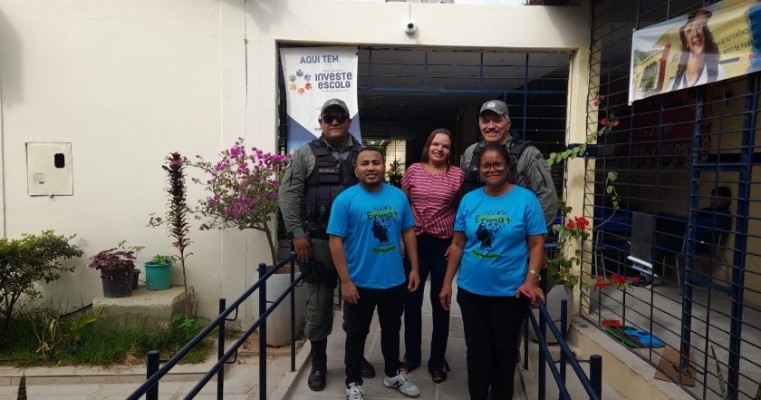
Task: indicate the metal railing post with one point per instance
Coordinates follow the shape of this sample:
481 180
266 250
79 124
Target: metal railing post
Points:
293 317
262 334
221 352
152 365
595 374
525 342
543 357
563 334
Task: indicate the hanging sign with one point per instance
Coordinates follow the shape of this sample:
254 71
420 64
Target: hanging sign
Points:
707 45
314 75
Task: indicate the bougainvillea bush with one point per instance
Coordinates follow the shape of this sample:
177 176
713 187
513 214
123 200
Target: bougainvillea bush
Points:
243 187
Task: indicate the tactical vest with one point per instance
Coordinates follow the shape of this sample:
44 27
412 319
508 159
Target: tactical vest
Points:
329 177
515 148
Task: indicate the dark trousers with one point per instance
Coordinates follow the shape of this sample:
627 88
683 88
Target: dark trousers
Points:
431 259
357 318
492 327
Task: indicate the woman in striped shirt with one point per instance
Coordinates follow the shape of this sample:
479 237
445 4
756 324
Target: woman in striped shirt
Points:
433 188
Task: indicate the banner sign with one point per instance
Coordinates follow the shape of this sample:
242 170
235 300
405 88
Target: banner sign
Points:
314 75
710 44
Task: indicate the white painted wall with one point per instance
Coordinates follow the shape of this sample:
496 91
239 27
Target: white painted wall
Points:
127 81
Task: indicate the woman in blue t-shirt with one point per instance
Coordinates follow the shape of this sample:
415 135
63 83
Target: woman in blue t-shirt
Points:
499 246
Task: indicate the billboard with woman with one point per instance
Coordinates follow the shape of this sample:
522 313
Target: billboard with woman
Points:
706 45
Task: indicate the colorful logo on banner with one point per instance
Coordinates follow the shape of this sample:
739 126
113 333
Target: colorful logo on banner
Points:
300 78
315 75
710 44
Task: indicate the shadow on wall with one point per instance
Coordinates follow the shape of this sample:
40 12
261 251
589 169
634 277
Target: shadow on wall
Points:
10 63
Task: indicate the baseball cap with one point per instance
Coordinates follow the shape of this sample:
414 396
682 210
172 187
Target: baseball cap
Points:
334 103
496 107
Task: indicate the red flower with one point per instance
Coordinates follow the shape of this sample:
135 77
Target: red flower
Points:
569 225
581 222
620 282
604 122
602 283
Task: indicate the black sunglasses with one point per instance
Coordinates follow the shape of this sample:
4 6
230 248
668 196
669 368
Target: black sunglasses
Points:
329 118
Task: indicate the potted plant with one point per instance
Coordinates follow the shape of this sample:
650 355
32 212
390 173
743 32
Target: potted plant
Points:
569 236
116 266
395 174
158 272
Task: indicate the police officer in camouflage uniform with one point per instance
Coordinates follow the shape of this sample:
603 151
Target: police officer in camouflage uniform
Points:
318 172
528 167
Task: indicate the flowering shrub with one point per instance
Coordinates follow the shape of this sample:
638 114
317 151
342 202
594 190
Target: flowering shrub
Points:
574 231
243 188
620 282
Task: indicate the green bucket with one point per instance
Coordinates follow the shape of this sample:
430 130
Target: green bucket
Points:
158 276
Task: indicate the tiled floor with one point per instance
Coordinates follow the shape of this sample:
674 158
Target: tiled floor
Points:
455 387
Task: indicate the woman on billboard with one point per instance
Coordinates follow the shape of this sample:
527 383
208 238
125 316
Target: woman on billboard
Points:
699 61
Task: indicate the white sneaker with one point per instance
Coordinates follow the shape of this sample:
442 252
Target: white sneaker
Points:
403 384
355 392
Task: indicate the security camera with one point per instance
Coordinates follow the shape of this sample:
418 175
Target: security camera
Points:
410 27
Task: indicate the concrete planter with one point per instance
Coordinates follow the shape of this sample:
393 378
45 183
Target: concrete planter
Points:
554 300
279 320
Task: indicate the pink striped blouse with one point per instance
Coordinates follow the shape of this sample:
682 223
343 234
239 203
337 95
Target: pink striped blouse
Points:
434 199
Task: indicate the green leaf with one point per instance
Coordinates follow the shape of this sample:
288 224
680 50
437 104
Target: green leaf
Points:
609 189
612 176
21 395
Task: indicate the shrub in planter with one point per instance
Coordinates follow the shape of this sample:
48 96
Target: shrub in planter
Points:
116 266
158 272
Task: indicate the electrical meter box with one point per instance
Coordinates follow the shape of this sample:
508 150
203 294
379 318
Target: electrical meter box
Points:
49 169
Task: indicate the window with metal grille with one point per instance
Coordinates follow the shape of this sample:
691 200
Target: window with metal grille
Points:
672 153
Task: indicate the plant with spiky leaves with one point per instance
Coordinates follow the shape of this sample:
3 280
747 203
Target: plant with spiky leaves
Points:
21 395
176 217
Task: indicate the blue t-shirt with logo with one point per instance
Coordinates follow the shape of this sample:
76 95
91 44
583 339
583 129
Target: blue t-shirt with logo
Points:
371 224
495 257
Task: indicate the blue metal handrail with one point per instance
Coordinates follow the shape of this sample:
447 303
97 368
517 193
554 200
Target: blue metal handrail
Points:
592 384
155 374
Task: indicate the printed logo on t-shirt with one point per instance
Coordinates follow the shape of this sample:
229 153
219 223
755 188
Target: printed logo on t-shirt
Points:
382 218
489 224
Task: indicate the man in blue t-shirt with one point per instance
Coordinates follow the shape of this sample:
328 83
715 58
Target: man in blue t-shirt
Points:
367 224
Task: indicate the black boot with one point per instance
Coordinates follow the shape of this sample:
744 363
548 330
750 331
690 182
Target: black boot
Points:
317 378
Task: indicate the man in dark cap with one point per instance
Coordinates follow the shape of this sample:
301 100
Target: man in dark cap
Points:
318 172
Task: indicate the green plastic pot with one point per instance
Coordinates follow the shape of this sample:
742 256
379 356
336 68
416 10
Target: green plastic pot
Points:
158 276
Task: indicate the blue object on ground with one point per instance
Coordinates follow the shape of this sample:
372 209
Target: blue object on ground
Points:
646 338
